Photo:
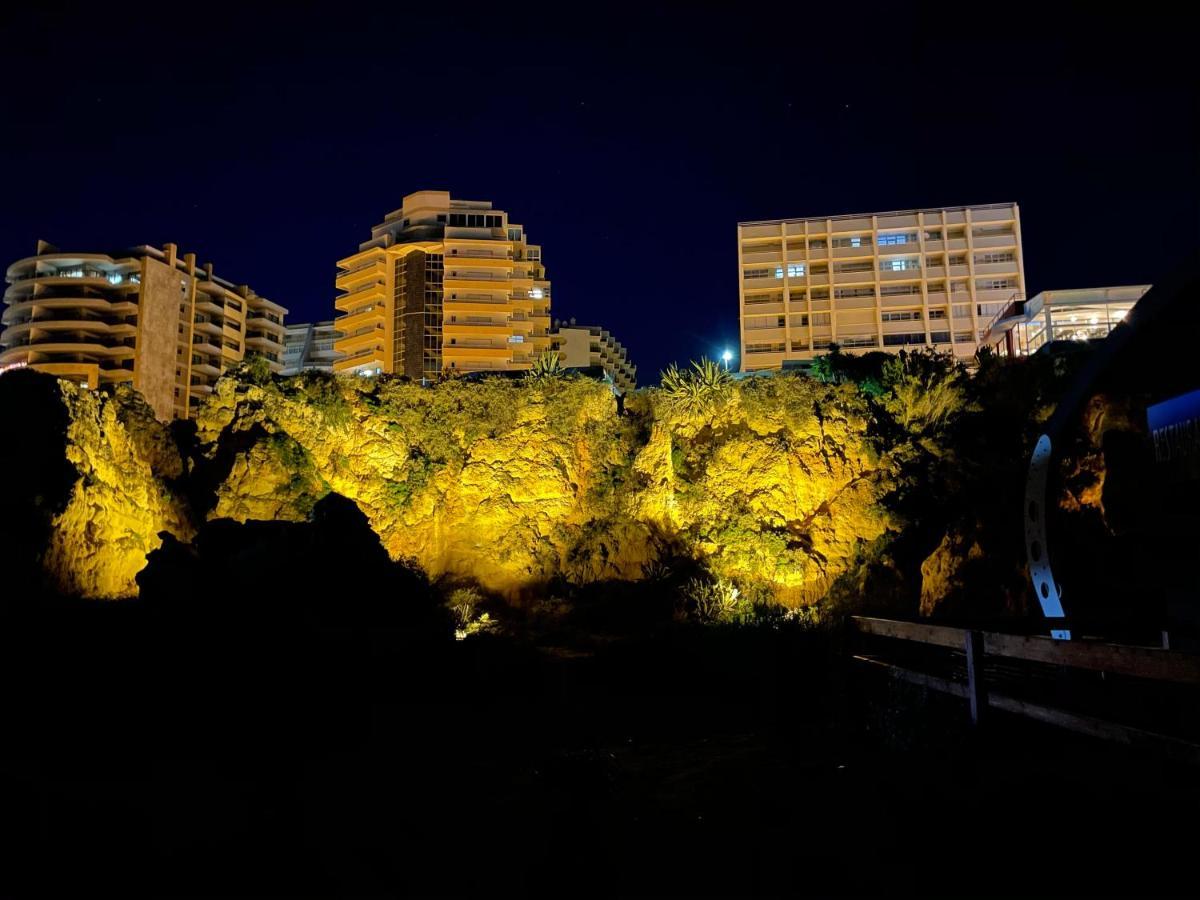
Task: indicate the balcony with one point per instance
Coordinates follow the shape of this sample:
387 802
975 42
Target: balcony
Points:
755 309
865 250
374 269
756 231
461 350
986 242
356 296
999 268
1002 214
762 256
854 277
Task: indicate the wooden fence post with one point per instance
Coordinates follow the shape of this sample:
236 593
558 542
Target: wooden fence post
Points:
976 691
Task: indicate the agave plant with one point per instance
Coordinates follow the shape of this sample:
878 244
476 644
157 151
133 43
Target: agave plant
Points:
547 365
698 390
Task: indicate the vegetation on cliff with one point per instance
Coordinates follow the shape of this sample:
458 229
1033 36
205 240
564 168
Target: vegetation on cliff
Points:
878 476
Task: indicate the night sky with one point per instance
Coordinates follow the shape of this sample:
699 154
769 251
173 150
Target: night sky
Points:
629 140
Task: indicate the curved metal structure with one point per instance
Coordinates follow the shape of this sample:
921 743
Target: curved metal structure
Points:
1154 307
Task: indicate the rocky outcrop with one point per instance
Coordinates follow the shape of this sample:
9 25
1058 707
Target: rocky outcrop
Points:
121 500
514 483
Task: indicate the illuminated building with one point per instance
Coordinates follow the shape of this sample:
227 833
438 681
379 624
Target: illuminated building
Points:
145 316
876 281
589 346
443 285
309 345
1078 314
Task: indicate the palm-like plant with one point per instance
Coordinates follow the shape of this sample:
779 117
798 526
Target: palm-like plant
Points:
547 365
698 390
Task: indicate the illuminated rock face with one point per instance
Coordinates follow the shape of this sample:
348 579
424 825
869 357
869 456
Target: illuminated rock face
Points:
515 483
120 502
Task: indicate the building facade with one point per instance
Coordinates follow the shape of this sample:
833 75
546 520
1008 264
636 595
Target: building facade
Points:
148 317
876 281
310 345
1023 327
590 346
443 285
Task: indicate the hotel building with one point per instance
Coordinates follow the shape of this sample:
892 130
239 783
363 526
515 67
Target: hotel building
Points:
309 345
145 316
1023 327
443 285
876 281
590 346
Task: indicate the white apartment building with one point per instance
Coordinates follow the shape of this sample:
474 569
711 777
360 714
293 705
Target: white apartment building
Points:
309 345
590 346
876 281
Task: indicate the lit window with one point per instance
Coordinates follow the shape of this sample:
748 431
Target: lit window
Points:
795 270
535 293
115 278
855 242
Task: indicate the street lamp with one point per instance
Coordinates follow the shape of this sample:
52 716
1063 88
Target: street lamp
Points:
727 356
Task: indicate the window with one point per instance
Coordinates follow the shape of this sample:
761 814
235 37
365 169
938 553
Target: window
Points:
855 241
820 293
995 284
907 315
817 244
983 259
800 321
844 293
820 318
933 234
757 273
939 337
937 314
760 299
472 220
962 312
899 290
514 234
765 348
899 340
536 293
795 270
900 265
893 240
960 260
853 267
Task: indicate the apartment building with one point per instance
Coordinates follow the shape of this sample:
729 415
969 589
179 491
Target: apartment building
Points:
146 316
1023 326
309 345
876 281
443 285
590 346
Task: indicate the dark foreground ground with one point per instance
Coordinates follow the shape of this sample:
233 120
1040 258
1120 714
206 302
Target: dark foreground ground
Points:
173 761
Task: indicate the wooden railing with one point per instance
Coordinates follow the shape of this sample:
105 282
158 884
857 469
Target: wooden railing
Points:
1152 670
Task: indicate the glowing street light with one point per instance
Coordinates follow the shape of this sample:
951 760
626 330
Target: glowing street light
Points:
727 356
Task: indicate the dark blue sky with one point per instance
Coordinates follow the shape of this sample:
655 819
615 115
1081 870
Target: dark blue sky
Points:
629 140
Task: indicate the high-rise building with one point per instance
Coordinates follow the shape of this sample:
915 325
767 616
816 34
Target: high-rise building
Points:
309 345
876 281
443 285
1023 326
590 346
145 316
